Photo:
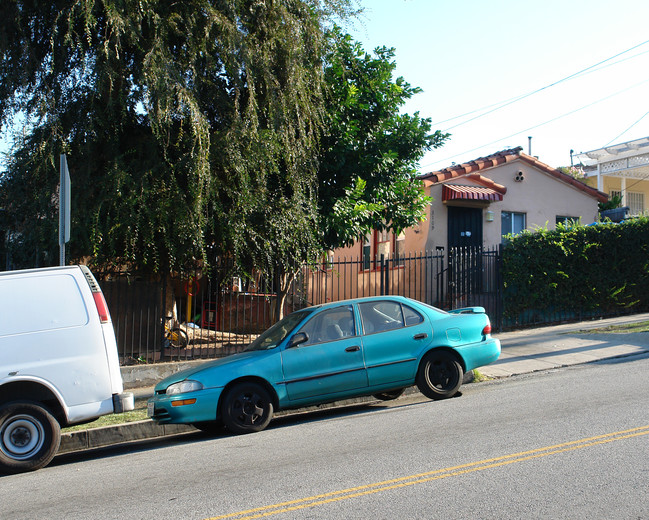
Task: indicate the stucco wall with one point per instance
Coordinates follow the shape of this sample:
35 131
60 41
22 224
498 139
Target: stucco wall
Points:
541 196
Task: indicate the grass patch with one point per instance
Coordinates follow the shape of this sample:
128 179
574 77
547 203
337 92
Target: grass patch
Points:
110 420
479 377
627 328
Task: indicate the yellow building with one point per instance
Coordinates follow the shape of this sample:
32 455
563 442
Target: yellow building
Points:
622 170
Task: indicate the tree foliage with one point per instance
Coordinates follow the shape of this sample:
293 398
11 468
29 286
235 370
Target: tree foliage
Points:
203 127
181 120
370 149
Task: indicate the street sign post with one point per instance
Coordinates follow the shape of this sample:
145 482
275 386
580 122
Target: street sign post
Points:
64 209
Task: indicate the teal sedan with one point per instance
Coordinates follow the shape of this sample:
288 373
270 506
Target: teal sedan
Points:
368 346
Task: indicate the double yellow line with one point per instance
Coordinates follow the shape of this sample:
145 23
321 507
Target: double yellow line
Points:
420 478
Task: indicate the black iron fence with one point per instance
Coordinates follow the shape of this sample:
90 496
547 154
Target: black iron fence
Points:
222 310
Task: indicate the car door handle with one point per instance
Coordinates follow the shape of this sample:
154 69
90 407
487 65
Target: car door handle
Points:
422 335
354 348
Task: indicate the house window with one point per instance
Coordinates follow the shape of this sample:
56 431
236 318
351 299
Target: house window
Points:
512 222
635 202
567 221
367 252
328 261
382 243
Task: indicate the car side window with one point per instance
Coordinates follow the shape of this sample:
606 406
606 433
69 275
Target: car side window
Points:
330 325
411 316
386 315
381 316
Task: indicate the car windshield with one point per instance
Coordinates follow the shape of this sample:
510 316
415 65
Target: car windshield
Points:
273 336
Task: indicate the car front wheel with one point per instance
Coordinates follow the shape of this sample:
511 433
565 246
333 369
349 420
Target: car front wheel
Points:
247 408
440 375
29 437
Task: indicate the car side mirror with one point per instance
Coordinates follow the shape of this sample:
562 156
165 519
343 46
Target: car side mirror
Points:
298 339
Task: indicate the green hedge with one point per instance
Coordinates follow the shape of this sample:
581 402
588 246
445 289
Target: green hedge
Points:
577 271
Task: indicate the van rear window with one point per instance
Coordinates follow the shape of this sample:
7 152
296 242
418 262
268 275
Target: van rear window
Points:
37 303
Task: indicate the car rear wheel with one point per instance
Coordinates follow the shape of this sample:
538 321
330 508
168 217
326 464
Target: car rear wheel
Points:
440 375
247 408
389 396
29 437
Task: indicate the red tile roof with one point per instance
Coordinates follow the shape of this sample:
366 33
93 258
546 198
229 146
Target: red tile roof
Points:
461 192
471 169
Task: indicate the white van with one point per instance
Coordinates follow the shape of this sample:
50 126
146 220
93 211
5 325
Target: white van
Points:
58 361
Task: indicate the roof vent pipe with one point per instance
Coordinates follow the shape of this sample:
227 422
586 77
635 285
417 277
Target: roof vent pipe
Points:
529 145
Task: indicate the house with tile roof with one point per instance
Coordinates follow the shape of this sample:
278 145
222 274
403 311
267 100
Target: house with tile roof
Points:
479 202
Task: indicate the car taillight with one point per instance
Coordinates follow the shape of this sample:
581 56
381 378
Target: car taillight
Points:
487 329
102 308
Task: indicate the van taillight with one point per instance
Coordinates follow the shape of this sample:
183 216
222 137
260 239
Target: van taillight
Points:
102 308
487 329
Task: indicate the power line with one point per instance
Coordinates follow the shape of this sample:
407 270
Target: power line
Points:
617 137
542 124
513 100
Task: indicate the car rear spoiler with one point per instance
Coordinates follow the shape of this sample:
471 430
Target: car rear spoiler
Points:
469 310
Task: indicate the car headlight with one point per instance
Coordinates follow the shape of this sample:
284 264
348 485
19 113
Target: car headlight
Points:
188 385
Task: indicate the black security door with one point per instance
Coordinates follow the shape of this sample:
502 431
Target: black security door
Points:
464 260
464 227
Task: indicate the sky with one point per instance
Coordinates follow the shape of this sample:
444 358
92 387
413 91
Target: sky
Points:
467 55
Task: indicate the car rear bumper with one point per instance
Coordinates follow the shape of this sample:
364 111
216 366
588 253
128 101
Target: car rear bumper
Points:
479 354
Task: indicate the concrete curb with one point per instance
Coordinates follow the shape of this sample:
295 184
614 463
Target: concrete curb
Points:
118 434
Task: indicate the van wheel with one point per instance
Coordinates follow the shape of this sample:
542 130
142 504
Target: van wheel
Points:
29 437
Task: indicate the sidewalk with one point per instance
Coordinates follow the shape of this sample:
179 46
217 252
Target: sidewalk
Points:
523 352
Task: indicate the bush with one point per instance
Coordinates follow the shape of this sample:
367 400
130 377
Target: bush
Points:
578 270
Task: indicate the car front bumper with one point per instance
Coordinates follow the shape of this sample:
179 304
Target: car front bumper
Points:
186 408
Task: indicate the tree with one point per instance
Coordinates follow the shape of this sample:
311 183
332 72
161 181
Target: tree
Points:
367 175
183 121
239 127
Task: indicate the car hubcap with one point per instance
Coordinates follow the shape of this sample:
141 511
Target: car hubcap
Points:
248 408
441 375
22 437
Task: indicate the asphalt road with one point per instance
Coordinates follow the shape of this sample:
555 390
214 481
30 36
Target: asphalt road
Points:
567 443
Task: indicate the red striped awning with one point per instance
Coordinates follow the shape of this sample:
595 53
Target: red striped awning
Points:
457 192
